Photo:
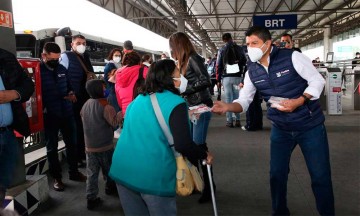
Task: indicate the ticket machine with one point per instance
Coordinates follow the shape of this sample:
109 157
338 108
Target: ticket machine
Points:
34 105
334 92
330 98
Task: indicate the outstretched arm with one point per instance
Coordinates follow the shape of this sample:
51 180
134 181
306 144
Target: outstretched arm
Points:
221 107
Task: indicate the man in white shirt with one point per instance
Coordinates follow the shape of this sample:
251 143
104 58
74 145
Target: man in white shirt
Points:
291 86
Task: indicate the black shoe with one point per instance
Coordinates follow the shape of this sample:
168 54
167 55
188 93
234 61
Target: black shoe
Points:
58 185
205 197
78 176
94 203
229 124
111 191
237 123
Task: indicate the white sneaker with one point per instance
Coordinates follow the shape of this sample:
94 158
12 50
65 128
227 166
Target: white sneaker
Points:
243 128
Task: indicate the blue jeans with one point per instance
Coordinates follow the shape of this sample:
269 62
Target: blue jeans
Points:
135 203
95 161
231 93
315 148
8 159
200 128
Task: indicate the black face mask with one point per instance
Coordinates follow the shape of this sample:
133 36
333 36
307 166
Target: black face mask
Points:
52 63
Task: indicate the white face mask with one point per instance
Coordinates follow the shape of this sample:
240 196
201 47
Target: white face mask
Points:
183 83
255 53
116 59
80 49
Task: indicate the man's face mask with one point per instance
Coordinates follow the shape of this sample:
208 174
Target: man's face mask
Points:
52 63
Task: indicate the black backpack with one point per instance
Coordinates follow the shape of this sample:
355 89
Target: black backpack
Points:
139 84
231 56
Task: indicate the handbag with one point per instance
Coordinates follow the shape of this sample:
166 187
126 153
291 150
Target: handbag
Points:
188 177
89 74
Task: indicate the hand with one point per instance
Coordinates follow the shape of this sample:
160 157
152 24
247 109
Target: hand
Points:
192 113
7 96
209 158
71 97
219 107
290 105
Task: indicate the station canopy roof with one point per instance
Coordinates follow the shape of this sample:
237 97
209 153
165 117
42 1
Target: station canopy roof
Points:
207 20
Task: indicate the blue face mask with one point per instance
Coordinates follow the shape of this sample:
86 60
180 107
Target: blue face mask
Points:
106 93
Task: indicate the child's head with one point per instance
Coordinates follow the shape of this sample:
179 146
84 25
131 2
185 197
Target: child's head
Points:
95 88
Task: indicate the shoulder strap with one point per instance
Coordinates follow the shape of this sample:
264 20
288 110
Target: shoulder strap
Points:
82 63
161 120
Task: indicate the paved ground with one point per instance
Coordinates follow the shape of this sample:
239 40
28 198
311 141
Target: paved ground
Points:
241 170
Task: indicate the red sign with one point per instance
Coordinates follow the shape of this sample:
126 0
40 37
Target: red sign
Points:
6 19
336 89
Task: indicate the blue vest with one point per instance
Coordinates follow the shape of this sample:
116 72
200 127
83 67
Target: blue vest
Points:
143 160
54 88
76 74
282 80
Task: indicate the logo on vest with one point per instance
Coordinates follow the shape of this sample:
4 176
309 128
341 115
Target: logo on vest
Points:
282 73
259 81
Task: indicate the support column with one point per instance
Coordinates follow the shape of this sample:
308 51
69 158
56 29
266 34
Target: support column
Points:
181 24
327 41
204 49
7 39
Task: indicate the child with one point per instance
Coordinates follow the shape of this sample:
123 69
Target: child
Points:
99 120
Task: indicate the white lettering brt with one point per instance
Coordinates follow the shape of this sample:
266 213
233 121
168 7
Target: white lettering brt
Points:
274 23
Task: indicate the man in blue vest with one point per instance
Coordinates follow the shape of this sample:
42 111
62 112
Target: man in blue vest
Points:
15 88
58 98
76 62
295 114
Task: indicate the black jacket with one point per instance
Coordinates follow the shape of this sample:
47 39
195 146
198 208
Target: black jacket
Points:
197 91
14 78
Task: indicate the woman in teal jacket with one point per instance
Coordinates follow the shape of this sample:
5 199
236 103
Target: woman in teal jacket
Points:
143 165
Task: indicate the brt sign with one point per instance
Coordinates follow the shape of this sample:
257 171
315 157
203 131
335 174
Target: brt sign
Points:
276 21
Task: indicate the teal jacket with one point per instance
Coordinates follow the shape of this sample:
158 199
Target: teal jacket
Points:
143 160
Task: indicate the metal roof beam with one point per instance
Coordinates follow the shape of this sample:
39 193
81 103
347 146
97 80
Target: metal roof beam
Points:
191 20
327 14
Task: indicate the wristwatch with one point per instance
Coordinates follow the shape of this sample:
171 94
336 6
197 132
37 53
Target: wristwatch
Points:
306 99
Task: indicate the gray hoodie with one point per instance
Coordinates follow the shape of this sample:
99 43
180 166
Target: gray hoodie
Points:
99 119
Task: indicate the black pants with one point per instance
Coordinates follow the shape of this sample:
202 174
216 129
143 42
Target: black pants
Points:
52 126
254 114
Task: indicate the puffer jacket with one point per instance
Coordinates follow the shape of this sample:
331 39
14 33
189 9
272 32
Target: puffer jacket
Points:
14 78
124 86
197 90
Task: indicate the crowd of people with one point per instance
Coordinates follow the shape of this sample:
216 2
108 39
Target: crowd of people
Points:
87 112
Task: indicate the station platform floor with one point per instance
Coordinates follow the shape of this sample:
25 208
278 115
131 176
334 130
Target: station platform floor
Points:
241 172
